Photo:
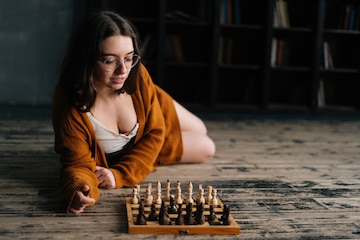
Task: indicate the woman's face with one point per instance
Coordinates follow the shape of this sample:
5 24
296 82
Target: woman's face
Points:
112 69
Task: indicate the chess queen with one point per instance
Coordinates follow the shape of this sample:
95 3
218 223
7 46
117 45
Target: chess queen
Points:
113 126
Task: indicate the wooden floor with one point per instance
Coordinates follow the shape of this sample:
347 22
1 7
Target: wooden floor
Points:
284 177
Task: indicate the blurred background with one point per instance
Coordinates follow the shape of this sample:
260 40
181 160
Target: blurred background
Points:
227 54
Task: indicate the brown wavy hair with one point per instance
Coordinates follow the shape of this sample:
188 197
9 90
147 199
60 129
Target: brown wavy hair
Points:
84 49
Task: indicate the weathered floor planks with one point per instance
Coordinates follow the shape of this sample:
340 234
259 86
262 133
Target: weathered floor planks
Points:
284 178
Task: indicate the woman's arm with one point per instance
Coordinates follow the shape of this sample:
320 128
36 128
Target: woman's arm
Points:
73 141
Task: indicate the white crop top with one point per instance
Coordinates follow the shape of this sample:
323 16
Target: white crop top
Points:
109 140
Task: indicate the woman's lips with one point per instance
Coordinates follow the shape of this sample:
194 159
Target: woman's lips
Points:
118 80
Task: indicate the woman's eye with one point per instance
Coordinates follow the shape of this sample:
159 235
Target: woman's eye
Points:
128 59
108 61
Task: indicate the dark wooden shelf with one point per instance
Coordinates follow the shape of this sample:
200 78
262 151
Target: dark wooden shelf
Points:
230 61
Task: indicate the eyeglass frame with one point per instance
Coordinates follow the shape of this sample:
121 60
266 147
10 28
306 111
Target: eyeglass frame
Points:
118 62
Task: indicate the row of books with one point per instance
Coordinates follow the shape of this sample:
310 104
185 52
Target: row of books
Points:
279 52
230 12
350 17
281 14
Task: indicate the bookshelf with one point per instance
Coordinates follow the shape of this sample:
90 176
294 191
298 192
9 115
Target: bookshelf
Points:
339 73
300 54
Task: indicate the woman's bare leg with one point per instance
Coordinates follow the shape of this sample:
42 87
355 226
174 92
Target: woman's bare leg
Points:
198 147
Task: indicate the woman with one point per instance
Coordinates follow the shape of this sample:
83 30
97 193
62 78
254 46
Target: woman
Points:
113 126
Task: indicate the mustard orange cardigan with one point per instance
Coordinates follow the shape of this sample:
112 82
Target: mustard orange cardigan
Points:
158 140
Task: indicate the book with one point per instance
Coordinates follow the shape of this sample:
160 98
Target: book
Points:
276 18
225 50
273 52
223 11
352 17
328 61
286 14
321 94
281 48
176 47
237 11
281 14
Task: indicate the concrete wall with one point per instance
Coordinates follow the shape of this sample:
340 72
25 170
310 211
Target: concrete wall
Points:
33 38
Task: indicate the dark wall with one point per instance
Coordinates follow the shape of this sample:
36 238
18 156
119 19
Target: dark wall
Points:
33 37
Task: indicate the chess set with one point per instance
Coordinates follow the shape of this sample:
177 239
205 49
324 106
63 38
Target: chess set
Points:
178 214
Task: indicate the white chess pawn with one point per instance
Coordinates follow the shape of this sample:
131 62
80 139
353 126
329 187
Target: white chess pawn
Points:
135 199
201 198
189 198
214 200
149 198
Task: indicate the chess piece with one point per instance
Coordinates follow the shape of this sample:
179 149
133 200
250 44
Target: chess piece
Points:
200 218
164 218
190 186
138 192
167 193
209 196
135 199
180 218
172 209
214 200
178 197
189 218
153 216
212 216
201 198
148 198
140 220
225 217
158 193
189 198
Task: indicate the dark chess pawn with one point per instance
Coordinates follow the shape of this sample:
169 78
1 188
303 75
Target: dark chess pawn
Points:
153 216
172 209
189 218
200 218
140 220
212 216
225 217
180 219
164 218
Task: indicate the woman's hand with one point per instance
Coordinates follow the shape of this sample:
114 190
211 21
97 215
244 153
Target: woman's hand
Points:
105 177
81 200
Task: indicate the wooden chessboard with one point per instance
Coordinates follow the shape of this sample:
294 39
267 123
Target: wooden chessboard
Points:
153 227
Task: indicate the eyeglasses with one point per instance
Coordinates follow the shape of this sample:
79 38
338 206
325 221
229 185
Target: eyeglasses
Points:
111 63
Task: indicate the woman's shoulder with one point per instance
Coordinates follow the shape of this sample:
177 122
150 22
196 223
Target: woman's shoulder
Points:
144 74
